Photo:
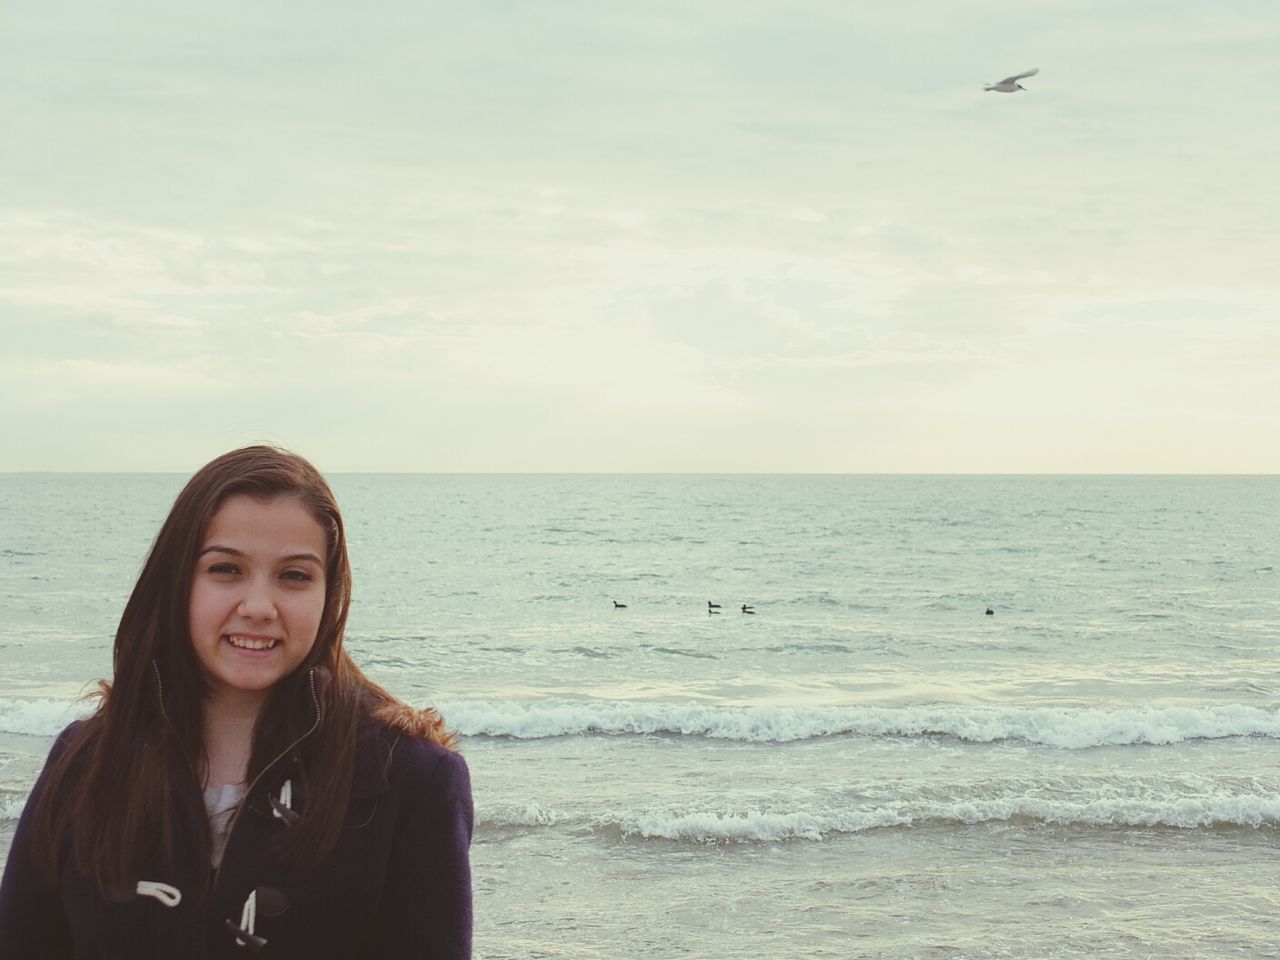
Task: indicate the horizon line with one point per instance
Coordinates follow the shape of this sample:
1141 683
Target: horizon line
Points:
673 473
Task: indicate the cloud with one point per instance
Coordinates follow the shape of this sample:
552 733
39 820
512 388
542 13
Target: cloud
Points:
81 380
497 230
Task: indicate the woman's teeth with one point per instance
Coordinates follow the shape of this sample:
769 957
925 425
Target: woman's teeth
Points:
247 643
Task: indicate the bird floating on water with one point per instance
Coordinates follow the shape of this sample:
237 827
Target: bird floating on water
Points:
746 608
1011 84
712 606
619 606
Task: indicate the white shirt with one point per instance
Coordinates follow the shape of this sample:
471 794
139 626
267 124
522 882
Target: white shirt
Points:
220 803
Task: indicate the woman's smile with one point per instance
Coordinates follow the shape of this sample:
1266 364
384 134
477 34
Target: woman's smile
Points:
255 644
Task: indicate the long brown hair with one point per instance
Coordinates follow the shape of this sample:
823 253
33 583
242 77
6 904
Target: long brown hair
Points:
125 786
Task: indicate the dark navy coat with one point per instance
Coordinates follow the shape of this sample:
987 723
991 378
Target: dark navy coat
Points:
397 885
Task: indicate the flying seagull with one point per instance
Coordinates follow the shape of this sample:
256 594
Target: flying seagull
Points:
1011 84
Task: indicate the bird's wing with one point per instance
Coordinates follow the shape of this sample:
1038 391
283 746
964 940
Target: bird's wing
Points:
1021 76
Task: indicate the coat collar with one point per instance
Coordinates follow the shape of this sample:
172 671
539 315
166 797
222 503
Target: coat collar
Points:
375 747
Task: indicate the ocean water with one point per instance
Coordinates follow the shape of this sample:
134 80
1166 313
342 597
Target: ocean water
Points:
866 766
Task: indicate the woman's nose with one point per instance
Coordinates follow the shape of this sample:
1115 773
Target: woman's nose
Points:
258 601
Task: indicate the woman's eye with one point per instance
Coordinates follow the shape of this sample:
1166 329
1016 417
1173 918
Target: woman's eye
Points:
224 568
300 576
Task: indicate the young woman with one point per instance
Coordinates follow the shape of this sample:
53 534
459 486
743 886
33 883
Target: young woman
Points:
242 787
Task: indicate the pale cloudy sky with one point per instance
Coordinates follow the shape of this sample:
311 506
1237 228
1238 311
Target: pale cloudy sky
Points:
653 236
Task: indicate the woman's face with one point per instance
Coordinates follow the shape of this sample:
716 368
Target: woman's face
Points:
257 594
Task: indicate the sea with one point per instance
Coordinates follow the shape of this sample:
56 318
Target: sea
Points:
863 763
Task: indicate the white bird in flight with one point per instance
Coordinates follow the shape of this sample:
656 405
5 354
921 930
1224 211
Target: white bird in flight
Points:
1011 84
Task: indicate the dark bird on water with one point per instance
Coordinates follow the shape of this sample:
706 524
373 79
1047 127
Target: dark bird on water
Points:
712 606
746 608
990 612
619 606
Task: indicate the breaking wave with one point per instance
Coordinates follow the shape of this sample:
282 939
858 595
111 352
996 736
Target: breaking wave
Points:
40 717
1071 728
703 824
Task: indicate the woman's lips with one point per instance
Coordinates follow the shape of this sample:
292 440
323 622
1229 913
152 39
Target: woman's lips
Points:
243 641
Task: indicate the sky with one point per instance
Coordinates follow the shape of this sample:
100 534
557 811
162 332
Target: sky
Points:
726 236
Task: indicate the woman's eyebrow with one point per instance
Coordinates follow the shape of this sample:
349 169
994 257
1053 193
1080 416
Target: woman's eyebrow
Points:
218 548
232 551
310 557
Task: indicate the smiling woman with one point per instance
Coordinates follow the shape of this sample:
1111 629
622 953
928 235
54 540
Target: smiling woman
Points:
274 794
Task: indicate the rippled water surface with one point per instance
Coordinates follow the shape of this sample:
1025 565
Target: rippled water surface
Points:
867 765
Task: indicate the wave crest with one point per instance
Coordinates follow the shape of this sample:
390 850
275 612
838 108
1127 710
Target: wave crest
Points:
816 823
1071 728
40 717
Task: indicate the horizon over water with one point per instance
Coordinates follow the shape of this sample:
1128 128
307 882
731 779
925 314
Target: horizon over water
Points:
333 475
867 766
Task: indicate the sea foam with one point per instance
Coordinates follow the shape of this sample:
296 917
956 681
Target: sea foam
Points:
705 824
1071 728
42 717
11 805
